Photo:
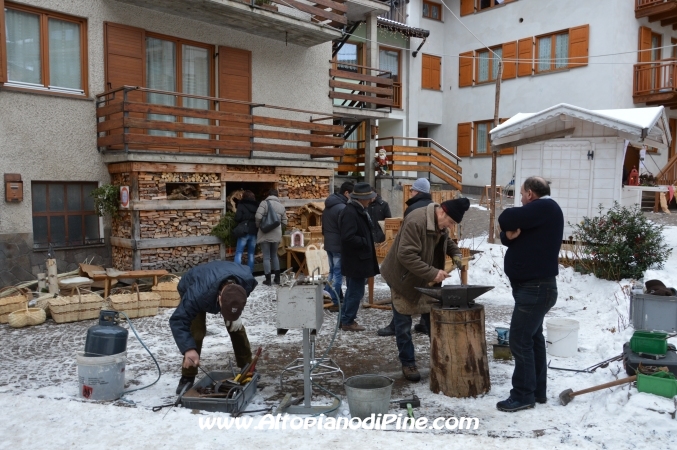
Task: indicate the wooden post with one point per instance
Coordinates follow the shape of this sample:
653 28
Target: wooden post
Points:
51 276
494 152
42 281
459 366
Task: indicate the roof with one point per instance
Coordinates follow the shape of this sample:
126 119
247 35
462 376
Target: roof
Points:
637 123
402 28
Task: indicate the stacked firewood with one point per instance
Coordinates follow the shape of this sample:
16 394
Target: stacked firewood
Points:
153 186
122 258
178 223
178 259
122 225
299 186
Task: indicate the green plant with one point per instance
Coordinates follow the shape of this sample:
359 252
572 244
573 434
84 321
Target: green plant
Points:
224 229
621 243
106 200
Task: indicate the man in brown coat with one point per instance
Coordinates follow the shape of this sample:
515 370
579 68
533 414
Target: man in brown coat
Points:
416 259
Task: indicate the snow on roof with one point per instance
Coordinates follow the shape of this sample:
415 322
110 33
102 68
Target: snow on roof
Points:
632 121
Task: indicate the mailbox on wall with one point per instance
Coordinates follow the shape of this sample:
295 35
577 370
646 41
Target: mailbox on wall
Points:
14 188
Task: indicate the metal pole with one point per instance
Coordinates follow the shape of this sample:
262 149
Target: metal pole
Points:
494 152
307 388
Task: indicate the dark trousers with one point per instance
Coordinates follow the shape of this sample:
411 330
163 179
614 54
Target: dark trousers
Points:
405 344
352 299
241 348
533 300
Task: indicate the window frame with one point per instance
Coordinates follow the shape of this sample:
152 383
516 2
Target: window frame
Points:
44 16
553 47
475 126
491 63
66 213
397 102
673 53
430 4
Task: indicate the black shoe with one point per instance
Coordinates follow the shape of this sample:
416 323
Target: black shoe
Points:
267 281
510 405
276 278
183 382
420 328
411 373
541 400
386 331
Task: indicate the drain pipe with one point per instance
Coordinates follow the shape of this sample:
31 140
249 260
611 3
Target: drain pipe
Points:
419 47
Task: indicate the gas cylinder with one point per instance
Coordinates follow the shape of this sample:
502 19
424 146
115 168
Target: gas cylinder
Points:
106 338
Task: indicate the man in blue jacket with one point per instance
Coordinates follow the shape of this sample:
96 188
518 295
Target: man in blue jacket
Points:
215 287
533 235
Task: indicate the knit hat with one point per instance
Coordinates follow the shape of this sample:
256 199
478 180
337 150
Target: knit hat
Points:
456 208
421 185
233 300
362 191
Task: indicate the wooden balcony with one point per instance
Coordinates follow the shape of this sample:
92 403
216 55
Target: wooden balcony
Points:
127 122
654 83
301 22
360 87
654 10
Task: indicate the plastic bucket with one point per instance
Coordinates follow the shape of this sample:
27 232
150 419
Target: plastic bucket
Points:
562 337
368 394
101 377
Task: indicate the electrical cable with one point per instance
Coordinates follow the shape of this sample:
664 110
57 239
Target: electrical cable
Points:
159 372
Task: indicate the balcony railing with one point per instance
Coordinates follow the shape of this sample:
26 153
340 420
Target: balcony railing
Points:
397 95
653 80
126 121
646 3
654 10
398 11
354 86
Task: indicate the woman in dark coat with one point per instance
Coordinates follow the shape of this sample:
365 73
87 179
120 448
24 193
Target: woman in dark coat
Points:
246 212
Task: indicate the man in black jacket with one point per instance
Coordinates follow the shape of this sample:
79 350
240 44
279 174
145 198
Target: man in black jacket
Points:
333 206
358 255
218 286
533 235
379 210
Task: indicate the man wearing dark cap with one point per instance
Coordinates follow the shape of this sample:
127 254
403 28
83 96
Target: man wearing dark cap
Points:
215 287
533 235
358 254
416 259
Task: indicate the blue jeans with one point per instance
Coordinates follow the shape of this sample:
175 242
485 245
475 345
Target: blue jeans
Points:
405 345
335 276
533 300
352 299
250 242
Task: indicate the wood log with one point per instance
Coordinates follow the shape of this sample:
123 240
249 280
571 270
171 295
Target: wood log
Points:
51 276
459 366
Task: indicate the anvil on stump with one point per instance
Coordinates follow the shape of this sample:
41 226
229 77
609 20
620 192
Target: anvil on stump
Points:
459 365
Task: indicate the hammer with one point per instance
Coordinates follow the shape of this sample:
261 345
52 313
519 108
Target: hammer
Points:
567 395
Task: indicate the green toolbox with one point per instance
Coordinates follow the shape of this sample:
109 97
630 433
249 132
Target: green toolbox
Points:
649 342
660 383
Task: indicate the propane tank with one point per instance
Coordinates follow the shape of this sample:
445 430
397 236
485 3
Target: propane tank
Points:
106 338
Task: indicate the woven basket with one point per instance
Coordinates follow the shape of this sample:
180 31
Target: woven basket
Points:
83 306
136 304
27 317
168 291
14 299
42 302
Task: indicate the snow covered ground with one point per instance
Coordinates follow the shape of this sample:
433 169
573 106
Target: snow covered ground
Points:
41 408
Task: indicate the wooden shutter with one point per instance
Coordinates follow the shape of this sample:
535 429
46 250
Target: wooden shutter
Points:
509 150
509 67
578 46
525 53
463 139
436 72
235 83
465 69
644 44
426 72
467 7
3 49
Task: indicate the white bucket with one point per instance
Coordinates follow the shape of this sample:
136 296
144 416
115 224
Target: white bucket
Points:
101 377
562 337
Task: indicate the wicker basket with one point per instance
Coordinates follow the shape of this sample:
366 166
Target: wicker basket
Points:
27 317
83 306
14 299
167 290
136 304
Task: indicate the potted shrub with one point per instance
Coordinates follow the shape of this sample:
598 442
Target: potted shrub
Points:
224 231
106 200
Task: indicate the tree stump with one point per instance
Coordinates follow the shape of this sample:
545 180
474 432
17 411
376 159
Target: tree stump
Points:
459 366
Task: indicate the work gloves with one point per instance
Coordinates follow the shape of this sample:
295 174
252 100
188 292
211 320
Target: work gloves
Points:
458 261
234 326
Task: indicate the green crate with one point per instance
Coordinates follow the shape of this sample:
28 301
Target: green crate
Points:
650 342
661 383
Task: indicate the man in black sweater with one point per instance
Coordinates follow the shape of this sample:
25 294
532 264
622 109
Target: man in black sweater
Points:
533 235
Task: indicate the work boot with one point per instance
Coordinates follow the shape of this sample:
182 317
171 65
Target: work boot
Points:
267 281
510 405
411 373
420 328
352 327
276 279
388 330
541 400
183 382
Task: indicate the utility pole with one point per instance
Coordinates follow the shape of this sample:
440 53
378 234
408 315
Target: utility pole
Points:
494 152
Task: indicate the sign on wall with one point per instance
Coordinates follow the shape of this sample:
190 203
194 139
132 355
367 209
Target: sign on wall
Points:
124 197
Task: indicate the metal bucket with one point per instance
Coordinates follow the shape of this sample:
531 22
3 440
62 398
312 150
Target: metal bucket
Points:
368 394
101 377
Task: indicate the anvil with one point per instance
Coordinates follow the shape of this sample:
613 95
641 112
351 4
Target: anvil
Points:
456 297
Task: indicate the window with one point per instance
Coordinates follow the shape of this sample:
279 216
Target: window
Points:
432 10
63 215
473 139
349 57
552 52
482 143
45 51
472 6
486 4
431 72
673 41
389 60
487 64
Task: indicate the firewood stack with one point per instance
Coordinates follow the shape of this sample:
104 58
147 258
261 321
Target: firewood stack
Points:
178 259
297 186
122 258
178 223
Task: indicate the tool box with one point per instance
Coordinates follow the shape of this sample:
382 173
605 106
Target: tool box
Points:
649 342
660 383
631 360
237 403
